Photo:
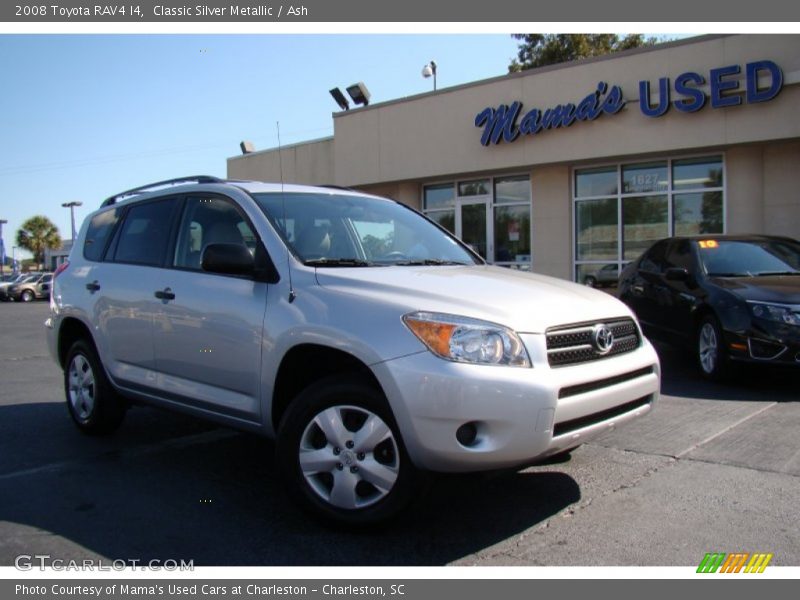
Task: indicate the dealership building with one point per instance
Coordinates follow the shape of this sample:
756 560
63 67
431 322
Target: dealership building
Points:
572 170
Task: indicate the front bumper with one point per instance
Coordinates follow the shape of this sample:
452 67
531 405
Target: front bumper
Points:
765 342
520 414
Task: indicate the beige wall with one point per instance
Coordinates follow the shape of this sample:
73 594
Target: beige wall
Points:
309 163
552 221
781 192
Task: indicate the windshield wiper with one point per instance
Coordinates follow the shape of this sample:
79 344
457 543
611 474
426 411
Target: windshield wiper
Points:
768 273
427 262
338 262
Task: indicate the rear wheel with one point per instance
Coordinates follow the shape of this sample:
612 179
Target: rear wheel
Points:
341 453
711 356
93 404
590 280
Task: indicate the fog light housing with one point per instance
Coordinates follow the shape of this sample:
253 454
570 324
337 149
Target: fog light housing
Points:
467 434
765 350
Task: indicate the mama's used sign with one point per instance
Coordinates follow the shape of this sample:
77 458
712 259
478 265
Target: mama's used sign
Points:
507 122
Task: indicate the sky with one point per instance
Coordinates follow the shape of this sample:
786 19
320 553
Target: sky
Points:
83 117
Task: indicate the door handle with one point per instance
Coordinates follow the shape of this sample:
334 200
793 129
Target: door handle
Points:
93 287
165 294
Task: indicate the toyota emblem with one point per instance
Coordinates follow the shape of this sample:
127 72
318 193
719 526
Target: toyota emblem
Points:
602 338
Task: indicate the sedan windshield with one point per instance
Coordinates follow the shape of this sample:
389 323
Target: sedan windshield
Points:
743 258
335 230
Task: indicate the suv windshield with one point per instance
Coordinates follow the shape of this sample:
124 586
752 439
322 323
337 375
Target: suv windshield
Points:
334 230
742 258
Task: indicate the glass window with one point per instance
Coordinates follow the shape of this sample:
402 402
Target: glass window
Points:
510 190
512 233
595 275
145 233
697 213
479 187
209 221
439 196
653 259
100 228
680 256
643 178
644 221
696 173
445 218
596 182
596 223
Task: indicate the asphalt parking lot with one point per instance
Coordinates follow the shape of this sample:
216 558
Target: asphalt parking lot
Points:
713 468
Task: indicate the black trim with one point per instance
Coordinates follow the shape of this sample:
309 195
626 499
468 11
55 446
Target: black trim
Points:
598 417
138 388
582 388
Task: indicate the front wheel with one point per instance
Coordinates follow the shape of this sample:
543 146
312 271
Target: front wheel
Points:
711 356
26 296
341 454
590 281
93 404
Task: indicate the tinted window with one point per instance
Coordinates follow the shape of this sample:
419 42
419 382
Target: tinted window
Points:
741 258
680 256
653 260
209 221
145 233
100 228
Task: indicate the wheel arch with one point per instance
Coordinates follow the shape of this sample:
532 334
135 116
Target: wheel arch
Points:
307 363
71 330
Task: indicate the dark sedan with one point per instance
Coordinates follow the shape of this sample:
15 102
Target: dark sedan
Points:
732 298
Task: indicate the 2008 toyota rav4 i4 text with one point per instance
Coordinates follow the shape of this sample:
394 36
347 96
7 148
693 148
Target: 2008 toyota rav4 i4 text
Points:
369 342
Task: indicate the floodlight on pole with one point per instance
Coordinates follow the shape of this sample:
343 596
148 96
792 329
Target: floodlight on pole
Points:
359 93
430 70
71 206
340 99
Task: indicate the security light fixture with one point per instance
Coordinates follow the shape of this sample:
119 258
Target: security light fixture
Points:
359 93
340 99
428 70
71 206
247 147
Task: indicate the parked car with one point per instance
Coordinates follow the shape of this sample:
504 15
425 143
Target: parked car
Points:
371 343
606 276
733 298
31 288
5 287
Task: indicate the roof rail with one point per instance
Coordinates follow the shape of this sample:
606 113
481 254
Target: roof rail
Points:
159 184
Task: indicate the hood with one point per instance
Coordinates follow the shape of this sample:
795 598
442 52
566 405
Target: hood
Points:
782 289
525 302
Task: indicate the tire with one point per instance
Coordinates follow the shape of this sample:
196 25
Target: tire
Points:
342 473
590 281
93 404
712 359
26 296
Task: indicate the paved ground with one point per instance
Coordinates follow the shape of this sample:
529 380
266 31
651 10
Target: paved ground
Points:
714 468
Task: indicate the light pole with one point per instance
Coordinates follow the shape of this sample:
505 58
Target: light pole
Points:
71 206
2 248
428 70
14 260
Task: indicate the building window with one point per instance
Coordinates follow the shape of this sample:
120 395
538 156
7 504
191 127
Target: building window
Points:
621 210
491 215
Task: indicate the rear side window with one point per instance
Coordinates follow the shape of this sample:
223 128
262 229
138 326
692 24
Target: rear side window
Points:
100 228
144 235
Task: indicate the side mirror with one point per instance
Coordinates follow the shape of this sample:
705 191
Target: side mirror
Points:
677 274
228 259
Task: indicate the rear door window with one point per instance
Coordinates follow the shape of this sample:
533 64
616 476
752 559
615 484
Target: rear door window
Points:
144 234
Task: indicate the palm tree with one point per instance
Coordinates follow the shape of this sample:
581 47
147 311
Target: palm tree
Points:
37 234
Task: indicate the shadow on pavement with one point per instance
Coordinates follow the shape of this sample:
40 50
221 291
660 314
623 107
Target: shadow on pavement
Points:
219 502
752 383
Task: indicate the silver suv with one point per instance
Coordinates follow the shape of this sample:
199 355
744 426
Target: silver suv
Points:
368 341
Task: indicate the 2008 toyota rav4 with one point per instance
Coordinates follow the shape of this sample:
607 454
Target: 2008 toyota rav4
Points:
366 339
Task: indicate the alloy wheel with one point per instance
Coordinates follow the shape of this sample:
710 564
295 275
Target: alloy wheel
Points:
708 348
81 387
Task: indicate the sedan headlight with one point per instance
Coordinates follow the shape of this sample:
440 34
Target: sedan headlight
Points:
775 312
466 340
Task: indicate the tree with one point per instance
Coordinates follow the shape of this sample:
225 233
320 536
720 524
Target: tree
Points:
36 235
538 50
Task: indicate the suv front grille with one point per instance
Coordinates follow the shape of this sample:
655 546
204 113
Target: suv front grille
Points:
572 344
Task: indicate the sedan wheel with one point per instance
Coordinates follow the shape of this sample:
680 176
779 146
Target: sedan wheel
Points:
80 389
711 356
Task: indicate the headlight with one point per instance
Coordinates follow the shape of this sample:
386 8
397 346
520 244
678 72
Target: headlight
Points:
775 312
466 340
